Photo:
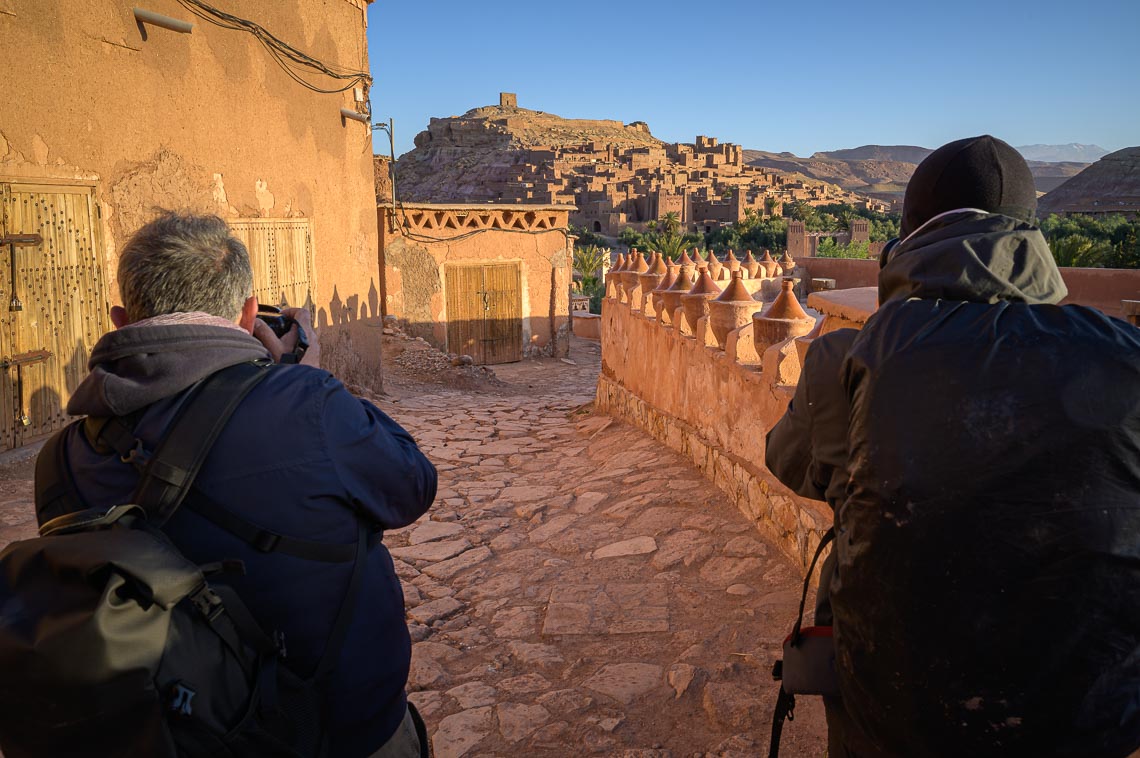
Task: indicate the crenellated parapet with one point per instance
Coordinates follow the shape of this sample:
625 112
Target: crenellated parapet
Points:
707 365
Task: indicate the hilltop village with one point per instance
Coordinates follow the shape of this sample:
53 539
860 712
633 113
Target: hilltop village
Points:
616 175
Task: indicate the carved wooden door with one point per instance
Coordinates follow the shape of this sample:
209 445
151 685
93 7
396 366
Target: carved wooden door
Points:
484 312
281 253
53 304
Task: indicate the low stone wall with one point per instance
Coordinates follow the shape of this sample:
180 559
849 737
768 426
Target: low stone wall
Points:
847 272
714 409
1100 288
586 325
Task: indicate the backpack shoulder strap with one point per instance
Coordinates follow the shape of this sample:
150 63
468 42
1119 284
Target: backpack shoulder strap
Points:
175 463
55 490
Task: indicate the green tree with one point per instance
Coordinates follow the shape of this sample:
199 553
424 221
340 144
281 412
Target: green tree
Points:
829 248
1110 241
1078 251
588 262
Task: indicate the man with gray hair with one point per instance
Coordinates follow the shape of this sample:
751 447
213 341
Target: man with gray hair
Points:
301 460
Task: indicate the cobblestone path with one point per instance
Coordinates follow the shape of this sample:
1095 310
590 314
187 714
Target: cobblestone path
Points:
579 590
576 589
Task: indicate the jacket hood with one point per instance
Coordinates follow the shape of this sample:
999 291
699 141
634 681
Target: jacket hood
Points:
132 368
974 256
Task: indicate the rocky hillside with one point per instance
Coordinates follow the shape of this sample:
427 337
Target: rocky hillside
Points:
456 157
1112 183
884 170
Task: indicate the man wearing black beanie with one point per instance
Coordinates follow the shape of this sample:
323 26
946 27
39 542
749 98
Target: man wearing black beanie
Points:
980 445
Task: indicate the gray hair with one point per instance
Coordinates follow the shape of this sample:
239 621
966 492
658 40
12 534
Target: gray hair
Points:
181 263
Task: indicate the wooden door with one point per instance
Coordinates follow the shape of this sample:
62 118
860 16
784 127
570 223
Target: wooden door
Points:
281 253
65 310
503 340
484 312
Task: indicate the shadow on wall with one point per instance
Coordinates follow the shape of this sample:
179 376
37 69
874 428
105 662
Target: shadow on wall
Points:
350 309
350 332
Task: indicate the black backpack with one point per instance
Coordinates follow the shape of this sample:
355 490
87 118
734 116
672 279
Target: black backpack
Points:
113 643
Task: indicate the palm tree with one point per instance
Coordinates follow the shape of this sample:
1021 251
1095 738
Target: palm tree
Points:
1078 251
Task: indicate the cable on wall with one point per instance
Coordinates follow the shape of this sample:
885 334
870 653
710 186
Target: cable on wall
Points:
287 57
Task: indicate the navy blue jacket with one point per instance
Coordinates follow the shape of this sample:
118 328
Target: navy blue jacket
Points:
301 456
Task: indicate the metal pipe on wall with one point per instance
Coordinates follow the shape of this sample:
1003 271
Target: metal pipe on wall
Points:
166 22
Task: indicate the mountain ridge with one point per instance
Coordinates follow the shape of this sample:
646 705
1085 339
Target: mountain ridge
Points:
883 170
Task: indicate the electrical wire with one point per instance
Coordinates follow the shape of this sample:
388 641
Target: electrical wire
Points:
285 55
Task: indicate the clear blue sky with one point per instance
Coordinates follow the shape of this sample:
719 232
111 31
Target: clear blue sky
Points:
797 76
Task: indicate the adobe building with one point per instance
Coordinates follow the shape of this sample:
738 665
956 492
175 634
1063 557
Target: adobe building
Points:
108 116
803 244
489 281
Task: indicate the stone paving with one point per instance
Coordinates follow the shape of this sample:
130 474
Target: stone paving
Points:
579 590
576 589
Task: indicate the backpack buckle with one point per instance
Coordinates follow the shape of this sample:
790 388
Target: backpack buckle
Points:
181 701
279 643
138 455
207 602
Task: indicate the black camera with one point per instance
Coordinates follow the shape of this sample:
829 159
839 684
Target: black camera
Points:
281 324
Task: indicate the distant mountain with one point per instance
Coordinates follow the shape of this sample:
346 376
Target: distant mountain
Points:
886 153
884 170
1111 185
1070 153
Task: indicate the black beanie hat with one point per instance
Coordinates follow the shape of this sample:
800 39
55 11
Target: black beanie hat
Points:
978 172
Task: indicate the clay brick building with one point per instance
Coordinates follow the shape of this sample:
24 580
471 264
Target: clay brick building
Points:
802 243
108 117
706 183
492 282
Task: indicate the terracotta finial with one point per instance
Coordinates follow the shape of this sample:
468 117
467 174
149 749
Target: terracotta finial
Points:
704 284
620 264
769 265
736 291
639 265
685 259
658 265
683 282
673 270
751 265
786 306
714 265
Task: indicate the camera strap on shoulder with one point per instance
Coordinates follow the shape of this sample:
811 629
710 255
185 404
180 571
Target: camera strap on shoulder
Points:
785 701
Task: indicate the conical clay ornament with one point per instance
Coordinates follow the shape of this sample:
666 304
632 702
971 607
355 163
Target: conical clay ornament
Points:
647 281
629 276
696 301
769 264
751 265
784 319
732 310
667 281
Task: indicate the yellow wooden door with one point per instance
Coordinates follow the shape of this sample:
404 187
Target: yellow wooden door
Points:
465 322
53 310
281 253
484 312
503 331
